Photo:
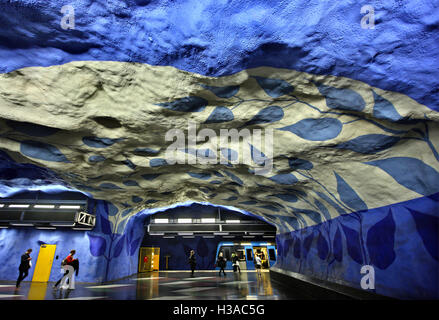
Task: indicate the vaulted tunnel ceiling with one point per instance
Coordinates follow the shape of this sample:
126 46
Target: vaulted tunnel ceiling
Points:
339 145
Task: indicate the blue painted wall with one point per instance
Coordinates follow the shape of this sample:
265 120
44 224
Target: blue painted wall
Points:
223 37
400 241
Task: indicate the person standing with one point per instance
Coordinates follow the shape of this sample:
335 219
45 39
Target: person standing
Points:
221 263
192 261
24 267
235 261
66 264
258 265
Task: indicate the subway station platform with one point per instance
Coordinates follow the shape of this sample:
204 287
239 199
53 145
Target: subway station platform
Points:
163 285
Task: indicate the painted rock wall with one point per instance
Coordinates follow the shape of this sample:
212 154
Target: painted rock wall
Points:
353 164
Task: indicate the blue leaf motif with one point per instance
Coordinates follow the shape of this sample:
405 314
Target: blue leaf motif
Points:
284 178
220 114
145 151
320 129
412 173
202 176
109 185
274 87
323 209
380 242
97 245
106 225
299 164
384 109
42 151
119 246
158 162
126 212
369 143
150 176
134 245
428 229
353 244
257 156
332 203
338 246
234 178
267 115
111 209
96 142
96 158
286 197
343 99
348 195
136 199
223 92
322 247
307 242
296 250
186 104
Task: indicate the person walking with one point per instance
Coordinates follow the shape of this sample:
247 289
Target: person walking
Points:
25 265
192 261
221 263
66 264
235 261
258 265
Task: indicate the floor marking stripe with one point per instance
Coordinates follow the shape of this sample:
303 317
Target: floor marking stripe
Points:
195 289
84 298
4 296
109 286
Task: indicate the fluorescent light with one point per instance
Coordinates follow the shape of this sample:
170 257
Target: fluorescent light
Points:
256 233
19 205
22 224
83 229
248 236
69 207
161 220
268 236
228 244
245 244
44 206
207 220
184 220
185 233
1 205
208 237
3 227
156 233
46 228
168 237
233 221
229 236
62 224
189 237
221 233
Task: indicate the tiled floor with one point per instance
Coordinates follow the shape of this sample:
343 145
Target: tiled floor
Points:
161 285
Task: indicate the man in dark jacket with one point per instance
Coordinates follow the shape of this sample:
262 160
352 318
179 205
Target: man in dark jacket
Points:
192 261
221 263
24 266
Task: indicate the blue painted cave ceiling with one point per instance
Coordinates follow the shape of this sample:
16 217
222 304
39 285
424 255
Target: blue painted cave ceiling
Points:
352 111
